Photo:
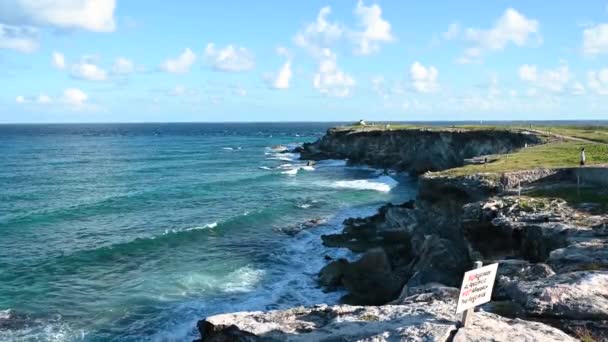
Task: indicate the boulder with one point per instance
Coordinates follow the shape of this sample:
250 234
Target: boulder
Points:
370 280
331 275
576 296
440 261
514 270
585 255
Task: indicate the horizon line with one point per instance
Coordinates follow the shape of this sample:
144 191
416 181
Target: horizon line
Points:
306 122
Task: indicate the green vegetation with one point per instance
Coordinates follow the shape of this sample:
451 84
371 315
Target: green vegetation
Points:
597 134
585 335
572 195
561 148
551 155
593 133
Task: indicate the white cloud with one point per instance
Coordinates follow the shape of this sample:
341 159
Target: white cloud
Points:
179 90
375 29
598 81
577 88
453 31
511 27
320 34
43 98
22 39
282 78
493 89
123 66
284 52
528 73
329 79
424 79
595 40
239 91
180 64
71 96
230 58
378 85
58 60
86 70
91 15
554 80
384 89
74 96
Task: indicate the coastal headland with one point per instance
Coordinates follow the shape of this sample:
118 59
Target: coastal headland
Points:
515 195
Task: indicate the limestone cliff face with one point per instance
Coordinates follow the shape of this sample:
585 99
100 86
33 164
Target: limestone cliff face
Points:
414 150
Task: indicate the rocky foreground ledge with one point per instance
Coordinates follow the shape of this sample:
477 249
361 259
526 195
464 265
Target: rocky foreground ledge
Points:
552 281
425 316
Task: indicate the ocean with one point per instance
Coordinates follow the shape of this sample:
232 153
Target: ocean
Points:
133 232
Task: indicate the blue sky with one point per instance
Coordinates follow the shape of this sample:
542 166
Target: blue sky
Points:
134 61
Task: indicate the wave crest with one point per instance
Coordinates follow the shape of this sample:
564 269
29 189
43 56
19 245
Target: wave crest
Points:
382 184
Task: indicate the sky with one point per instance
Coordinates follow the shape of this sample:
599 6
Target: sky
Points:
341 60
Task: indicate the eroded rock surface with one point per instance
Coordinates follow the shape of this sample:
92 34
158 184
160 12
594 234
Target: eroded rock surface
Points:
490 328
425 316
575 295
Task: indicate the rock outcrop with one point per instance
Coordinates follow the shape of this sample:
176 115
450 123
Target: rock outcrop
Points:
415 150
369 280
491 328
426 316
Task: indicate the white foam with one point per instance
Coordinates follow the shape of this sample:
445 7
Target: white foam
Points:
285 166
53 329
282 156
227 148
206 226
242 280
382 183
332 163
308 168
265 168
278 148
291 172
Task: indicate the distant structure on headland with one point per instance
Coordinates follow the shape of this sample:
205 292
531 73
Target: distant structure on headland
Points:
362 122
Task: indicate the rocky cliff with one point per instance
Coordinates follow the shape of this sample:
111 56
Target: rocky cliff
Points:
553 261
415 150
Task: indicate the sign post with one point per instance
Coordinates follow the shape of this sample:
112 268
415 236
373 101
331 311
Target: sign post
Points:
476 289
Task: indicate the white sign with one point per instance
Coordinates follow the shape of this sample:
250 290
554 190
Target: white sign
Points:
476 287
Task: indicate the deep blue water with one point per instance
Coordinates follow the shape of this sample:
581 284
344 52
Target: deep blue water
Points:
135 231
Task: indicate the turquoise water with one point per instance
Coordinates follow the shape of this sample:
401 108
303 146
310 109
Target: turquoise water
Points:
134 232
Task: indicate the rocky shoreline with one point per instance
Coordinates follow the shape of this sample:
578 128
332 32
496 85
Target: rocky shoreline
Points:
552 283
